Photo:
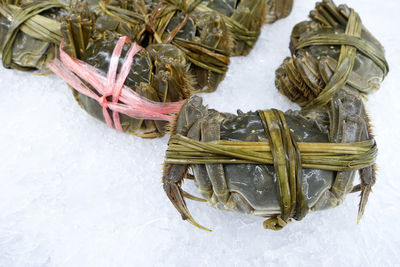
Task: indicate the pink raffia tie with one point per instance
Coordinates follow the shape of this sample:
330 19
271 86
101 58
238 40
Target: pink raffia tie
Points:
124 99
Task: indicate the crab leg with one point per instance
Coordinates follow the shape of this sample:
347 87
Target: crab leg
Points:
348 122
174 174
172 180
368 178
209 132
200 171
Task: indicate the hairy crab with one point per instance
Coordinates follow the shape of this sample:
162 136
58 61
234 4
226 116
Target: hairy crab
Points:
316 50
253 188
157 73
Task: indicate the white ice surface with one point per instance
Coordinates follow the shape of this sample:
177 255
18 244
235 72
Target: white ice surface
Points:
75 193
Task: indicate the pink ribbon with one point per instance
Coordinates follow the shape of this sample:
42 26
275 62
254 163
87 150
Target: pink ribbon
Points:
124 99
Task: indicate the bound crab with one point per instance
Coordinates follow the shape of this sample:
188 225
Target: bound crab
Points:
318 63
283 165
29 33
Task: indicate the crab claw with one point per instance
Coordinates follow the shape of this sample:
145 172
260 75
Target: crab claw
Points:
172 179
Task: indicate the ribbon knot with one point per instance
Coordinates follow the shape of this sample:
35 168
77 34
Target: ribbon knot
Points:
103 101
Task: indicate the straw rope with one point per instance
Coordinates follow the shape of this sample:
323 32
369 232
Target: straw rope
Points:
350 42
287 164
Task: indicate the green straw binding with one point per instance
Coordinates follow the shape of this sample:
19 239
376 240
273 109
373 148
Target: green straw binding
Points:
324 156
350 42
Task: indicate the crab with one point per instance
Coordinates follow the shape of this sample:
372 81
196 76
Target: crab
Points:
253 188
304 75
156 73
